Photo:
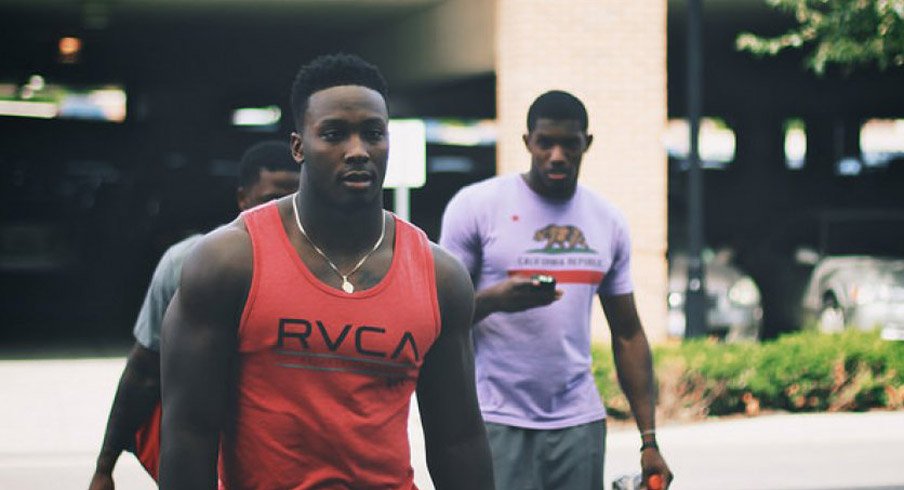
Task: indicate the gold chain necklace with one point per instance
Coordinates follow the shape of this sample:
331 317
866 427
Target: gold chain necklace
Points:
347 286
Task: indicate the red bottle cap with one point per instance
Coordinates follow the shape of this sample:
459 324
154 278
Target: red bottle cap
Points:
654 482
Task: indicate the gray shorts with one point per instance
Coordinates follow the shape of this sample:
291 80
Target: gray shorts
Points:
559 459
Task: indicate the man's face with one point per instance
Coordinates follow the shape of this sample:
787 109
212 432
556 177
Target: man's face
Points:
344 145
270 185
556 148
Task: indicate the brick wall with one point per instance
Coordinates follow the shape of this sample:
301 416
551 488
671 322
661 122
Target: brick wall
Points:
612 55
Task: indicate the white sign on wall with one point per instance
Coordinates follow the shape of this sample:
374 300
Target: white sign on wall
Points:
407 166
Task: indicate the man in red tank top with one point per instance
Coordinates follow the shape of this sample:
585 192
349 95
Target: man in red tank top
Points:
301 330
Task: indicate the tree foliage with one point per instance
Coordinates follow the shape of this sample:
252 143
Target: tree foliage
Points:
847 33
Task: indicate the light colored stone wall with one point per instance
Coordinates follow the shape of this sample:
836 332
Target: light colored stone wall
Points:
449 40
612 55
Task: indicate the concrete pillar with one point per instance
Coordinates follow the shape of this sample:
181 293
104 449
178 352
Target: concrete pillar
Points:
612 55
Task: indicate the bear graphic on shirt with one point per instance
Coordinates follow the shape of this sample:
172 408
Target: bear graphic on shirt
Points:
561 238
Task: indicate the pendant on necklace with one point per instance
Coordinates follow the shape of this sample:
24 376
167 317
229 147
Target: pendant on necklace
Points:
347 286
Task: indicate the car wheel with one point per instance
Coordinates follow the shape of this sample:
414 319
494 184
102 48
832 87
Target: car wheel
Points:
831 317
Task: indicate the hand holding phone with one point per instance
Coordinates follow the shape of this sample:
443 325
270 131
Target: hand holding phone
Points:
544 282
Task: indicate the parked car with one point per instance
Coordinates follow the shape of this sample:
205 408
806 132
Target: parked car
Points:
857 291
734 311
797 256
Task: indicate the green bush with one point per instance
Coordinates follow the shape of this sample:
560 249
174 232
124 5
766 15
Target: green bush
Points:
805 371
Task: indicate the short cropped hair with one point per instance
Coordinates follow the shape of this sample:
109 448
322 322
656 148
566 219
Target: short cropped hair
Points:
557 105
328 71
273 155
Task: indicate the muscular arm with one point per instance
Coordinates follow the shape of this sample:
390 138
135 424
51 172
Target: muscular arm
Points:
634 366
139 386
137 395
197 356
458 454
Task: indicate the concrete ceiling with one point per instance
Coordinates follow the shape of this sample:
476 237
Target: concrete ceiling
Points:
722 7
338 14
344 14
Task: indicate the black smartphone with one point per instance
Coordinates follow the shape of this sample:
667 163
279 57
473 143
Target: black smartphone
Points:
545 282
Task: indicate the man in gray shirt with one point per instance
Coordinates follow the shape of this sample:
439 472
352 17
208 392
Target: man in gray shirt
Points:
268 171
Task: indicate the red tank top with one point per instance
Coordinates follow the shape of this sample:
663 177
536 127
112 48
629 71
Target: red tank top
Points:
325 378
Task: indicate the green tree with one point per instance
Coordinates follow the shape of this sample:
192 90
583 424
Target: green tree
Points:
842 32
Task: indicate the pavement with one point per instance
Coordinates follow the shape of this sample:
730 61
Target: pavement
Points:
54 411
835 451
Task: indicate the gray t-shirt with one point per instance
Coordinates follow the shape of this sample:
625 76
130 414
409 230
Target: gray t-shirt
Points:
161 291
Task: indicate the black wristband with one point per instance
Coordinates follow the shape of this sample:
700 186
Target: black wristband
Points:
648 444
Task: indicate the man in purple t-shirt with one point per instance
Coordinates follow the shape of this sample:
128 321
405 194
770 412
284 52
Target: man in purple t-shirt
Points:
544 415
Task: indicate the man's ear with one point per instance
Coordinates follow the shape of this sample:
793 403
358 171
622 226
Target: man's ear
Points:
526 138
297 145
589 140
242 198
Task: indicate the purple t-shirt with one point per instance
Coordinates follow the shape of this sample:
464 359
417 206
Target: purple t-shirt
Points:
534 366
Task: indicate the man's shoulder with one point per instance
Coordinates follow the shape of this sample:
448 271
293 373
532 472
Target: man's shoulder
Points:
445 262
226 251
487 188
598 203
179 250
479 197
452 278
186 243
